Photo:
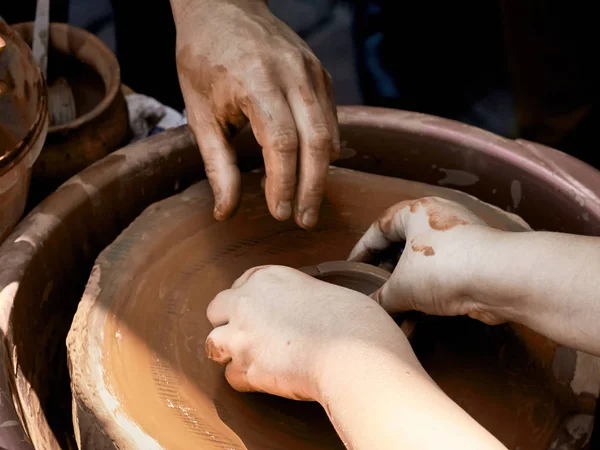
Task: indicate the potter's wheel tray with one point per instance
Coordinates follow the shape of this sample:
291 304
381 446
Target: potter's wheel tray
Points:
139 373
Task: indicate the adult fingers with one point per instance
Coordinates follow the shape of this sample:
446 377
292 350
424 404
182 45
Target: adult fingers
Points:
316 146
324 91
220 164
275 130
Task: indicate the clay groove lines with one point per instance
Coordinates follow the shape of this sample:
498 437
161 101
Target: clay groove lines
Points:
166 382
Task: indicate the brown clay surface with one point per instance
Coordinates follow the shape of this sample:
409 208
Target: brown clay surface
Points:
191 404
157 278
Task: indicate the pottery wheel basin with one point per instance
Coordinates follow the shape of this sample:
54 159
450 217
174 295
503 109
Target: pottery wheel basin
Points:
154 282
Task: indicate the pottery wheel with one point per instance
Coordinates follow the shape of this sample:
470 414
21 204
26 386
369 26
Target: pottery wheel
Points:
139 371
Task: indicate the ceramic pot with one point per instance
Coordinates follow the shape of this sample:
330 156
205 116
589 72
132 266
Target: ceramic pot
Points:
101 124
360 277
45 263
23 125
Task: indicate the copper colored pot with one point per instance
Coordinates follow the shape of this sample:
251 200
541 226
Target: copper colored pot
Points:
23 125
101 125
45 263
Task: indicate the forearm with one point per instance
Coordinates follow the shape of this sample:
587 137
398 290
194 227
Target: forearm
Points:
377 400
549 282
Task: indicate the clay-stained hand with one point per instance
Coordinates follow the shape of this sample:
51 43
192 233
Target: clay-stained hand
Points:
237 62
278 330
437 272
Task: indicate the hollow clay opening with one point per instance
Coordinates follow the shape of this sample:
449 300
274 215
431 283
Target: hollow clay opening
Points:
86 84
87 65
360 277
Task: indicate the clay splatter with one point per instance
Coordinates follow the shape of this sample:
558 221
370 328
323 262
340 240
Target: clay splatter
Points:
427 250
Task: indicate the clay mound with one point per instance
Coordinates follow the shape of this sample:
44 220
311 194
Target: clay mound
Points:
139 373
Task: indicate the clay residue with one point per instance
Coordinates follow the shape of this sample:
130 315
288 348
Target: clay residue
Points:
414 205
437 221
458 178
198 71
215 353
427 250
306 95
516 193
443 222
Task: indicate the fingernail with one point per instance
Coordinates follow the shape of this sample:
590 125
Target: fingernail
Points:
209 347
284 210
218 212
310 218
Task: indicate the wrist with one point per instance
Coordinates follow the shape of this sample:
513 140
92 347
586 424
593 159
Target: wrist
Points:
492 284
381 397
185 10
356 366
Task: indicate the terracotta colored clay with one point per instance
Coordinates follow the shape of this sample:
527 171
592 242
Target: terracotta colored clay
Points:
46 261
165 268
360 277
364 278
23 125
101 125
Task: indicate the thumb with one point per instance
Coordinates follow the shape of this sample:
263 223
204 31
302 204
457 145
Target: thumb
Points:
389 299
220 164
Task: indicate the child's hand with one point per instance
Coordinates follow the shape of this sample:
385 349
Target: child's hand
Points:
439 268
281 331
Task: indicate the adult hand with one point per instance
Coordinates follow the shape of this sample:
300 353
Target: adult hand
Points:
281 331
438 270
238 63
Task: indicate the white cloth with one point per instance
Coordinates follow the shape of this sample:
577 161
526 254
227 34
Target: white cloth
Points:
148 116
